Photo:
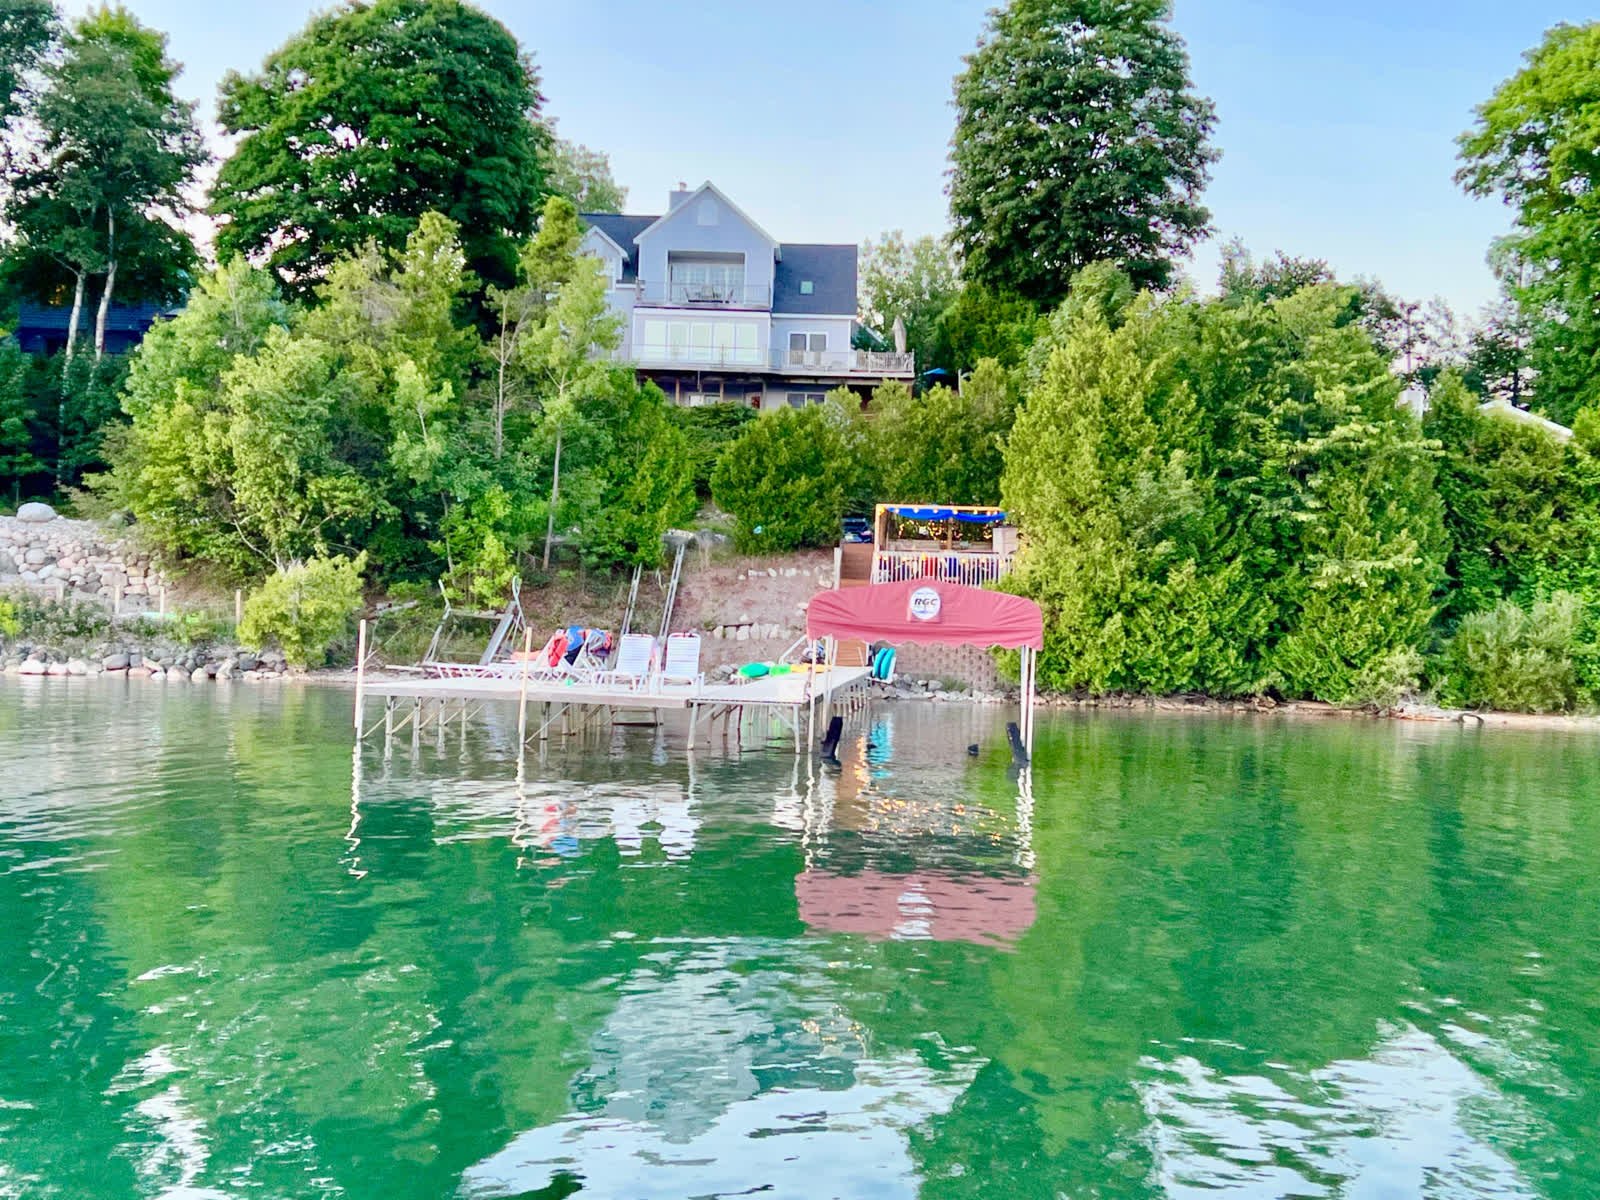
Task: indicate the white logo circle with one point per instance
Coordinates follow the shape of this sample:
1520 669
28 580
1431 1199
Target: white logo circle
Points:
925 604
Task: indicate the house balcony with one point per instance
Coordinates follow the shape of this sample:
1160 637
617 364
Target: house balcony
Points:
712 297
872 363
845 364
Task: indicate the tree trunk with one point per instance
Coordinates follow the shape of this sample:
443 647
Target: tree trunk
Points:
77 312
555 494
105 293
500 397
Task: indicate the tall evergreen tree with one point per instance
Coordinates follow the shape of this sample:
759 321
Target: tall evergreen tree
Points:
371 116
1078 139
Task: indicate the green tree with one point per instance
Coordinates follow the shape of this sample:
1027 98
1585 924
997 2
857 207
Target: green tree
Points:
583 176
17 414
569 352
980 324
912 282
946 445
26 30
1221 497
373 115
117 152
785 480
162 471
1078 138
305 607
1533 148
645 481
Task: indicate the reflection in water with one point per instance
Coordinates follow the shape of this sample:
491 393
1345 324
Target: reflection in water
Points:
1355 1124
1181 957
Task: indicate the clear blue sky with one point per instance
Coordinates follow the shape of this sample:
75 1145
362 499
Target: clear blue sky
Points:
830 121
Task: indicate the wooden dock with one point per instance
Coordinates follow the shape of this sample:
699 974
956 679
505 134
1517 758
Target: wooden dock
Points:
800 700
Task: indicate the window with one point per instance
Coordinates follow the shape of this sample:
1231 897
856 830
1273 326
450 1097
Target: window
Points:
700 279
801 399
807 348
807 287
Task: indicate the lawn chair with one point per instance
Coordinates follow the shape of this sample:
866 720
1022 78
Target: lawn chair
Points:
635 662
588 665
682 664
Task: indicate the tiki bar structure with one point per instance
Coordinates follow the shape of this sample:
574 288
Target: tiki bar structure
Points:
955 543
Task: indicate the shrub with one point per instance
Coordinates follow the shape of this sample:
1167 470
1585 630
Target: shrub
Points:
1515 659
708 430
10 625
1387 679
305 608
46 621
785 480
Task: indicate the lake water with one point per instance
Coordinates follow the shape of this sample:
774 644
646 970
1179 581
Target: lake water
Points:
1261 958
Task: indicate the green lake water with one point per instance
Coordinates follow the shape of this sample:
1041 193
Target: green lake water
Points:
1197 956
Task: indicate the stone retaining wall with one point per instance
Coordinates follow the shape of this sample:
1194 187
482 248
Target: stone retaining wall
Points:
75 559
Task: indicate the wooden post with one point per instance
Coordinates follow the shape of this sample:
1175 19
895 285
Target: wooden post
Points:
238 607
162 610
838 566
361 674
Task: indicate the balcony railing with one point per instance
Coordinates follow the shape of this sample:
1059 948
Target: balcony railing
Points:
843 362
707 357
704 295
952 566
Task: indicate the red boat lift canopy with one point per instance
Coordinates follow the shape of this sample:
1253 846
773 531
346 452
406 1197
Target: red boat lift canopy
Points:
932 611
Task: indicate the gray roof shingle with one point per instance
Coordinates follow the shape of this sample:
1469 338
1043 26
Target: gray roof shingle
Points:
831 269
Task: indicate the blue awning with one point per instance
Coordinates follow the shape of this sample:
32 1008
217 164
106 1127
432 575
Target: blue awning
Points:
945 514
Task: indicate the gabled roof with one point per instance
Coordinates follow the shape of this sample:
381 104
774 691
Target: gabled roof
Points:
832 272
620 229
705 187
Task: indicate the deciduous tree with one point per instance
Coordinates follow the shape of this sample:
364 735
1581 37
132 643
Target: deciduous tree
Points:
373 115
1078 138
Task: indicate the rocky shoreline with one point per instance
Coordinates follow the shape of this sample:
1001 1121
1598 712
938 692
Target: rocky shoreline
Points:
193 665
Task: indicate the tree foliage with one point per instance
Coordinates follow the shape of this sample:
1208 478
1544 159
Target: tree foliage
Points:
1078 138
1222 498
584 177
371 116
117 152
944 446
305 607
1533 148
785 480
912 282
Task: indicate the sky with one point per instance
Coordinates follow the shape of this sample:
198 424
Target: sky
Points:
831 121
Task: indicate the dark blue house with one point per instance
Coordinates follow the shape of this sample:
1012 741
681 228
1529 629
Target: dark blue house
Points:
42 329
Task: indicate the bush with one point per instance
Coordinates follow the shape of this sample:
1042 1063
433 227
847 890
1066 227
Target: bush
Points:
785 480
44 621
1515 659
305 608
708 431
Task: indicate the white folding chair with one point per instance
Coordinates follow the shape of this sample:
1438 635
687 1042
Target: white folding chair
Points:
682 664
636 659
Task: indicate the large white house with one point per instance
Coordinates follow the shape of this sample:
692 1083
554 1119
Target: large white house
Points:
716 309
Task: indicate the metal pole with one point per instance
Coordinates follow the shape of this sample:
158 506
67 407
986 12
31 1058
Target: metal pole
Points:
361 674
522 696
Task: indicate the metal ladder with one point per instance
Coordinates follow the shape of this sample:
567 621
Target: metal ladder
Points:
633 600
672 593
511 622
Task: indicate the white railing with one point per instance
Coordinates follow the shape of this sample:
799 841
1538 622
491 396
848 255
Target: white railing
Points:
704 295
952 566
843 362
698 356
